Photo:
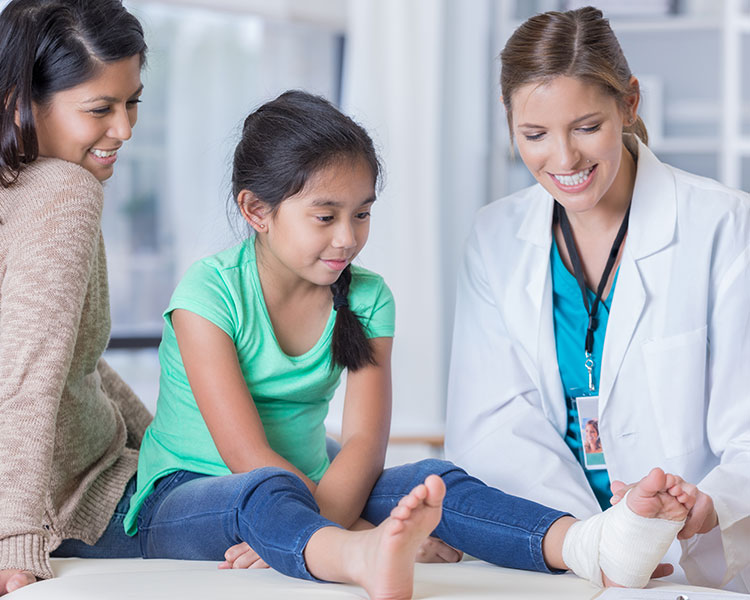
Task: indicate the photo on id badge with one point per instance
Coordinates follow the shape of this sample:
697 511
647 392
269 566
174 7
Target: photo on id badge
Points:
588 420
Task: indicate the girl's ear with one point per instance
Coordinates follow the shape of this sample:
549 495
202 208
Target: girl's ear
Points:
253 210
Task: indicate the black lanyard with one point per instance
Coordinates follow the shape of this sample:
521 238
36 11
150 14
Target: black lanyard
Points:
561 217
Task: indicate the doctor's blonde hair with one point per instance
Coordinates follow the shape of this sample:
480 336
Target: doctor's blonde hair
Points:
577 43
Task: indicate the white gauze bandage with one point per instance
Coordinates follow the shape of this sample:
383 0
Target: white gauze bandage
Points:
626 546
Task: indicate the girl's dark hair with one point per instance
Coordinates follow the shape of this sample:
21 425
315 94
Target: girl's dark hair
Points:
51 45
284 143
577 43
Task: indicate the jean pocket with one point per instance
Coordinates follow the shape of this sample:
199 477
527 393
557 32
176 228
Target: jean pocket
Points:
161 487
676 373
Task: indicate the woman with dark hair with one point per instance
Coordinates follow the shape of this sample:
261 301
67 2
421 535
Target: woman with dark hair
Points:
610 240
255 341
69 426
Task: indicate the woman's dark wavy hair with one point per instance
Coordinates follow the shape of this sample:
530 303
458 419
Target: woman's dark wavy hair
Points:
576 43
284 143
47 46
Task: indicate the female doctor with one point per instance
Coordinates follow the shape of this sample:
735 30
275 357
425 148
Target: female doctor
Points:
617 288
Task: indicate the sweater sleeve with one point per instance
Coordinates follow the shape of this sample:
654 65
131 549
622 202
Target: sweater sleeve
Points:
47 270
136 415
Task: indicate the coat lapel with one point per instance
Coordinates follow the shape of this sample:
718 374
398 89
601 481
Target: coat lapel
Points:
536 230
653 222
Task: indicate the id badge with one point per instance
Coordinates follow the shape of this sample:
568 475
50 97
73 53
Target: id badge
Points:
588 420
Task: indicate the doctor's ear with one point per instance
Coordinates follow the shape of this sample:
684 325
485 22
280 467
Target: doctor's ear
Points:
254 211
632 100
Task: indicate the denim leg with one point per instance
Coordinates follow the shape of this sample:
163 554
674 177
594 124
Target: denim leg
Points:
197 517
113 543
477 519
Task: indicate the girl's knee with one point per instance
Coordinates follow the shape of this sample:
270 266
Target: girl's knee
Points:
436 466
273 479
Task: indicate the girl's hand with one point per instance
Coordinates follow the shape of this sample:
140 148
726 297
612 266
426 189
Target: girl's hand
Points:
242 556
434 550
702 517
13 579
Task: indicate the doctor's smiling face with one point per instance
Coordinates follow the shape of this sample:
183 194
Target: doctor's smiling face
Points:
569 135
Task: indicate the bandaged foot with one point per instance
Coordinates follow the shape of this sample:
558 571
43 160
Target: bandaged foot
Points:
627 541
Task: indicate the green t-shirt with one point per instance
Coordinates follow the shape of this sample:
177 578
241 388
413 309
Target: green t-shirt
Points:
291 393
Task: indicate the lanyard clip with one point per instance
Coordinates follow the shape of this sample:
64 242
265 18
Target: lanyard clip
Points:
589 364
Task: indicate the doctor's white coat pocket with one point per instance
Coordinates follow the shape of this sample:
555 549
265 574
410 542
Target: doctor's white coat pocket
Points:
676 373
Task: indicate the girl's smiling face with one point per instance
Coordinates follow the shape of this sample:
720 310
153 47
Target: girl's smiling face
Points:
316 233
569 135
88 123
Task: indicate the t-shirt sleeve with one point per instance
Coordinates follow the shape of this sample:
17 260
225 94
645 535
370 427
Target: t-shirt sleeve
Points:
382 318
204 291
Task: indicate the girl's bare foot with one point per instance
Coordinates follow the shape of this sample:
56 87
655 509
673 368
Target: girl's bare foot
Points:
390 554
381 560
623 545
651 497
655 496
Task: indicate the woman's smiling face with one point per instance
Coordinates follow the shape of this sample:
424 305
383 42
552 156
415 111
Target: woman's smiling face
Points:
88 123
569 135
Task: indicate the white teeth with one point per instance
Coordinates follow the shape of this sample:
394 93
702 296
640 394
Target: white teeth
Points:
103 153
575 178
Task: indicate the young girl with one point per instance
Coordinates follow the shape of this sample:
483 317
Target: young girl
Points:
617 288
256 338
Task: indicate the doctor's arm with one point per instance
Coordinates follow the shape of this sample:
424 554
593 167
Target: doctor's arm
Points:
728 412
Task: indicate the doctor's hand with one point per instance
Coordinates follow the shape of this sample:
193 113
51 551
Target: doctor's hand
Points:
702 516
663 570
13 579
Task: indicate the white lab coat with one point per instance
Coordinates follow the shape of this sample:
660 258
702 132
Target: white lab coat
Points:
675 374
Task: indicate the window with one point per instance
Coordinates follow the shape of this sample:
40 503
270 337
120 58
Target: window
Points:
166 206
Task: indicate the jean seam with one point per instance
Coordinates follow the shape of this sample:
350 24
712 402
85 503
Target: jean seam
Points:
300 543
303 539
536 537
530 531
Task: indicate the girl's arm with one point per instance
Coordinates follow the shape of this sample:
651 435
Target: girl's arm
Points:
215 377
346 485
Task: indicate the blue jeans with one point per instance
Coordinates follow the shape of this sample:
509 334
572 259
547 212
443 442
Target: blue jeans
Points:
193 516
113 543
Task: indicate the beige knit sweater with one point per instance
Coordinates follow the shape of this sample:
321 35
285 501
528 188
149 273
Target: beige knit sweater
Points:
69 426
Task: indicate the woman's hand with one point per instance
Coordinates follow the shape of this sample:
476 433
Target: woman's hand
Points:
13 579
702 517
242 556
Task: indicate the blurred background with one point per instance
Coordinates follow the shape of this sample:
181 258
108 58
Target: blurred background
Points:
421 76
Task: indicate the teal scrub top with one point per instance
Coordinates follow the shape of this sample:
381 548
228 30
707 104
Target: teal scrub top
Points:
571 319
